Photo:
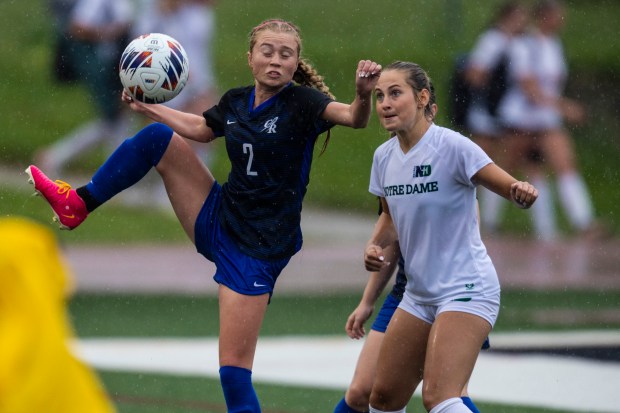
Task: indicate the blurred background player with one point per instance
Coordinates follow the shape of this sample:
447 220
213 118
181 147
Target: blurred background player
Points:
38 372
533 112
485 76
191 23
63 69
98 32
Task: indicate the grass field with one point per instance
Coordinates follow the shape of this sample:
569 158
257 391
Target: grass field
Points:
182 316
153 393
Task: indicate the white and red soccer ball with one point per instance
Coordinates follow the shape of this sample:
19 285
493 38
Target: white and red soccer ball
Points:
154 68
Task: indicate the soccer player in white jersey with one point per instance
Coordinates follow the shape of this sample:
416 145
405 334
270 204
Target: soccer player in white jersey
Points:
426 177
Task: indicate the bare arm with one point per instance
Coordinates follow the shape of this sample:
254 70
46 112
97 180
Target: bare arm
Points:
374 287
383 236
188 125
356 114
494 178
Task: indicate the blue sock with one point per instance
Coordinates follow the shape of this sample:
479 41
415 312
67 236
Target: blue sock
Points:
343 407
238 390
130 162
470 404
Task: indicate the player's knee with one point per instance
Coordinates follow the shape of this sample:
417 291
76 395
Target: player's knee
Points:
151 142
358 395
380 398
431 397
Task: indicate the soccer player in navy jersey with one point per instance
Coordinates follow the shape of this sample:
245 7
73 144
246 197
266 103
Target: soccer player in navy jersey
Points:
249 226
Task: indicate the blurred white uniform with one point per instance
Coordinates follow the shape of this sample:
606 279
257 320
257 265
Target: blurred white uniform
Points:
543 58
491 47
95 59
193 25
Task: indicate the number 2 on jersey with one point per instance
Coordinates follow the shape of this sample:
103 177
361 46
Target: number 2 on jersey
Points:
247 148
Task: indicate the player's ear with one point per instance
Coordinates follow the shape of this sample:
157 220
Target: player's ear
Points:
250 59
424 97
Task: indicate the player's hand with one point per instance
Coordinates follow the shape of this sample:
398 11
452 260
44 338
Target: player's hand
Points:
355 322
374 258
366 76
133 104
523 194
573 111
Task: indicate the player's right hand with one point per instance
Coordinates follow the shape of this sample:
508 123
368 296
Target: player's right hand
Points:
374 258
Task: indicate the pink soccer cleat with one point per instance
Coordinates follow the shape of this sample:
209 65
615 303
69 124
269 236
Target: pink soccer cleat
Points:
69 209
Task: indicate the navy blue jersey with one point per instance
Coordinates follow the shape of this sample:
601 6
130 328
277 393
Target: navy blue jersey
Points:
401 280
270 149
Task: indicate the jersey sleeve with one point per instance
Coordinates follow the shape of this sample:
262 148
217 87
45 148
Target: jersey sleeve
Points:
376 184
312 105
471 159
215 117
488 50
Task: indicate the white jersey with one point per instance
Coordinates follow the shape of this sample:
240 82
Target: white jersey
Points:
192 25
490 48
101 14
540 57
432 202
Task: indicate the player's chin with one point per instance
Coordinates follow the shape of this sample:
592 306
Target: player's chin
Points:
276 82
389 124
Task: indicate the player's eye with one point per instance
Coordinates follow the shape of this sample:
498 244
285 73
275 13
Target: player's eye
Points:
266 51
379 96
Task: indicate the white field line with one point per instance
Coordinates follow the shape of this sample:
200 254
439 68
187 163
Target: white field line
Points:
327 362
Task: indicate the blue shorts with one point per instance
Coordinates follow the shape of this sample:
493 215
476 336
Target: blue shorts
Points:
238 271
385 314
387 311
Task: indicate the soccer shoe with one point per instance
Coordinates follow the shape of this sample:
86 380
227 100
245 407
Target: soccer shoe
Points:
69 209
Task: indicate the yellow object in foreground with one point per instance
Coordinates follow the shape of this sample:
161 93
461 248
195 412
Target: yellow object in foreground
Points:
38 372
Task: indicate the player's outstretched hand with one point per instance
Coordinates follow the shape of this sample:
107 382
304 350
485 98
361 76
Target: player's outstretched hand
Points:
366 76
523 194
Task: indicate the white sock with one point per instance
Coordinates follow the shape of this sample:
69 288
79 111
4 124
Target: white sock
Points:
454 405
490 207
373 410
542 211
575 200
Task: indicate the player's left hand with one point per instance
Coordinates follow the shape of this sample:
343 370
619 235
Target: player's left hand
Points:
355 323
366 76
523 194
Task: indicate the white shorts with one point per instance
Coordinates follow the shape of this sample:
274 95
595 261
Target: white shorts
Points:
481 122
485 307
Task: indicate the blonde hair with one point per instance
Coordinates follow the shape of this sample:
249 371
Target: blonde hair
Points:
305 74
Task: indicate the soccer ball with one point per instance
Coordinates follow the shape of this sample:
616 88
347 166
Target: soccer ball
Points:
154 68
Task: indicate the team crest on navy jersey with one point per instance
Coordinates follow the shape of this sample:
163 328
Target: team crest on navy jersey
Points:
270 125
